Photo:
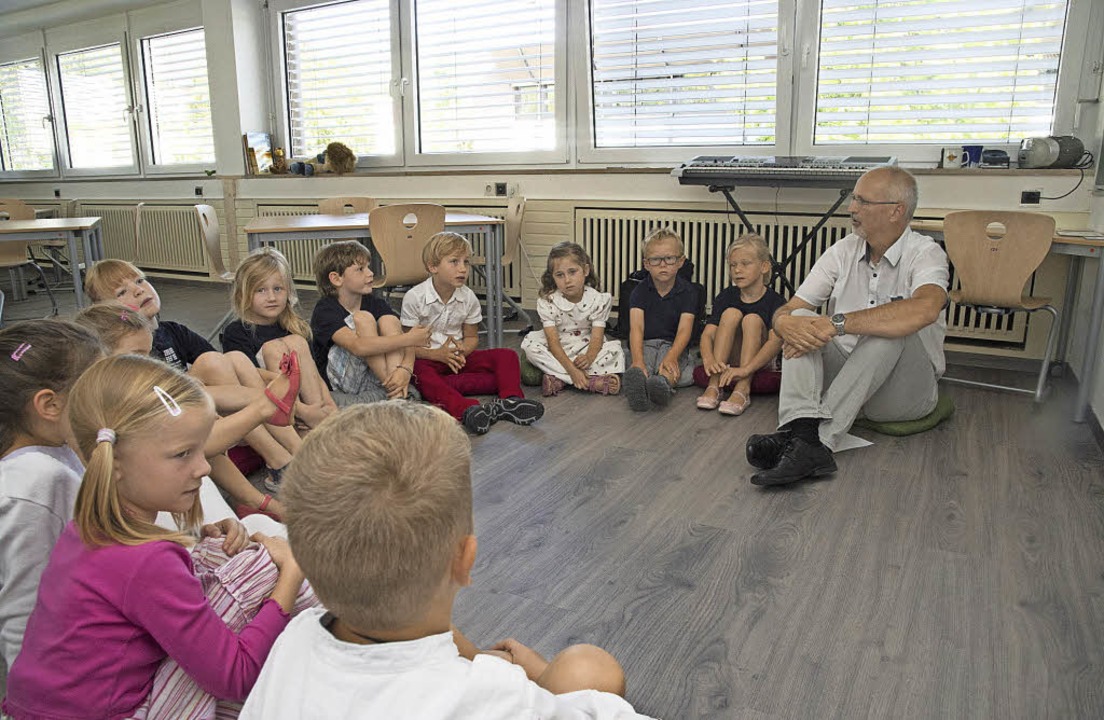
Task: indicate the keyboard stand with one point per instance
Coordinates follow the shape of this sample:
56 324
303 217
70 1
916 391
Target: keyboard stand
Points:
779 267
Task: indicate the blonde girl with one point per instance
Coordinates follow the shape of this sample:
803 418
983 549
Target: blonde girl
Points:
268 327
39 474
125 331
119 594
738 340
573 349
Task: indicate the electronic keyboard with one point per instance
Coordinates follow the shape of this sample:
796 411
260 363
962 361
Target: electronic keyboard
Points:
777 170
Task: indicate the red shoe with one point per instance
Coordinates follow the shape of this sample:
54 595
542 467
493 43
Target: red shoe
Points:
285 413
243 510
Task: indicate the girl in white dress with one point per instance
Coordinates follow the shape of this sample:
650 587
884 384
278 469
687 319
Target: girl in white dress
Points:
573 348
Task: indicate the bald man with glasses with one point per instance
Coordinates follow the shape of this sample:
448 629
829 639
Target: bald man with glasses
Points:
878 352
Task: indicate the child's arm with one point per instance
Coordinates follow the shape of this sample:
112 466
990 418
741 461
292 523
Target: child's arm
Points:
669 365
768 352
711 363
366 340
470 341
571 367
636 338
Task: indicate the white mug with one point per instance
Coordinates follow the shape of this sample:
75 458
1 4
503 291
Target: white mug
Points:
952 157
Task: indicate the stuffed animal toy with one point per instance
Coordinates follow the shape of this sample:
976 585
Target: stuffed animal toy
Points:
338 159
279 162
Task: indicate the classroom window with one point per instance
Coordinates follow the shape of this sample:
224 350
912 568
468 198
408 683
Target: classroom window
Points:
338 61
178 98
97 107
683 72
26 131
486 76
935 71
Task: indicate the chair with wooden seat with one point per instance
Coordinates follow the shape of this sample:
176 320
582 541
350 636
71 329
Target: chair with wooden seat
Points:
515 212
212 242
994 254
347 204
14 209
400 232
14 256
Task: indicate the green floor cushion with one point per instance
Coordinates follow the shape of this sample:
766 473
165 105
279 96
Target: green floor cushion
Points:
530 374
944 408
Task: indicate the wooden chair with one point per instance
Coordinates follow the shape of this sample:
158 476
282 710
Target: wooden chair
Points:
994 254
15 209
400 242
212 242
13 256
515 212
347 204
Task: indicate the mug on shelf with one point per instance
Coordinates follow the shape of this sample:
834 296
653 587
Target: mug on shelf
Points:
971 155
952 157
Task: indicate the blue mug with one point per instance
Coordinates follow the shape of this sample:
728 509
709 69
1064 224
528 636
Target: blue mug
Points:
971 155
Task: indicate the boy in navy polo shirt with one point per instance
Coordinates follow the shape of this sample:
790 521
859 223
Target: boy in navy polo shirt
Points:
661 320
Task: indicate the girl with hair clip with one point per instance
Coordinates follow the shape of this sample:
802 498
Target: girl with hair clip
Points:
39 473
738 341
573 349
264 298
121 594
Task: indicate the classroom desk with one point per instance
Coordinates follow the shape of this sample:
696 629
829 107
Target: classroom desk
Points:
1078 249
85 230
271 230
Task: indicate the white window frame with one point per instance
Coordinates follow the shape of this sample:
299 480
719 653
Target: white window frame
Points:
147 23
26 47
280 91
805 86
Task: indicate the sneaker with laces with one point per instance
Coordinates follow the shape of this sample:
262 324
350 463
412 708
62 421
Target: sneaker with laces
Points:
518 410
476 420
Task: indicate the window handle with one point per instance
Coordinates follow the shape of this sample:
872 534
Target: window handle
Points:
399 86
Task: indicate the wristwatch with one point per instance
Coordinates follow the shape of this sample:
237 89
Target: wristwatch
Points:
838 320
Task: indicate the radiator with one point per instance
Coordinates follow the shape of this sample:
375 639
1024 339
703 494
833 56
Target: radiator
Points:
170 240
613 240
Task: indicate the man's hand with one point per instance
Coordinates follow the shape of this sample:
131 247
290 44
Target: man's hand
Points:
803 334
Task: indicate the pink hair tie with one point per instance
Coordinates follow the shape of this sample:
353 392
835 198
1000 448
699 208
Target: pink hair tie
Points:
105 435
20 351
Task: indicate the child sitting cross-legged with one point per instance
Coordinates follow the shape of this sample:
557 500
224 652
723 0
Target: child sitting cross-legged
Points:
399 474
451 367
359 343
662 311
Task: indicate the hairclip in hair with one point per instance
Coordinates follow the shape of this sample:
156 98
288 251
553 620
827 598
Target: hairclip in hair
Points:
123 316
105 435
18 353
167 400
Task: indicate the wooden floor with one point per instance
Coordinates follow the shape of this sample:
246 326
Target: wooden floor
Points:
954 574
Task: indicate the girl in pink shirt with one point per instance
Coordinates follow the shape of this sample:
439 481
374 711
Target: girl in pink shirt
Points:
119 594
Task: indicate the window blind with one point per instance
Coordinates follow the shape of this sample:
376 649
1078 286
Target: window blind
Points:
97 117
895 71
338 60
683 72
178 98
26 139
486 75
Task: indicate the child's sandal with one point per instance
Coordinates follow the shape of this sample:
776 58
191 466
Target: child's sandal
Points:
604 384
551 385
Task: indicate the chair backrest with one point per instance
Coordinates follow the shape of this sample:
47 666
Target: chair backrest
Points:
994 252
399 233
515 212
346 205
12 209
209 229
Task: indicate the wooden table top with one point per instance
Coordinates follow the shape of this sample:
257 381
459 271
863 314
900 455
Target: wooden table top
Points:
49 224
320 223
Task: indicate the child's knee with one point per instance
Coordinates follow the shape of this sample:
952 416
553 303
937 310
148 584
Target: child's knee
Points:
584 667
732 317
752 323
211 362
389 325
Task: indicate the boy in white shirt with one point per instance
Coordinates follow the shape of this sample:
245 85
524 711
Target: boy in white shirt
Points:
399 474
451 367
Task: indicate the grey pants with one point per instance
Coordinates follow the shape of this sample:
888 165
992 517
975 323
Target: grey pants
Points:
883 379
657 349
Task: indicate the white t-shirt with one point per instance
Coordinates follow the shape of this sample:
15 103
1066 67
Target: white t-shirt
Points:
423 306
312 674
844 279
38 489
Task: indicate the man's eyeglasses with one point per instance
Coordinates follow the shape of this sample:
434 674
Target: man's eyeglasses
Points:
863 202
658 260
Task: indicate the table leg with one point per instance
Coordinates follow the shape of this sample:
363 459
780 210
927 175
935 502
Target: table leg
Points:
74 264
1088 368
1073 277
493 247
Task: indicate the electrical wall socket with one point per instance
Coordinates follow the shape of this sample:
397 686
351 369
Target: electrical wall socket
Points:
500 189
1031 197
199 190
57 192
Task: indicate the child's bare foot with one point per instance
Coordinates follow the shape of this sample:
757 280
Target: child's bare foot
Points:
710 399
312 415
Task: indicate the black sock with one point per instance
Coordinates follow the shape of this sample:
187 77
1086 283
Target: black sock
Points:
808 429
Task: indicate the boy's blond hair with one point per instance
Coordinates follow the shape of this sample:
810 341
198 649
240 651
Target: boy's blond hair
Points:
376 501
337 257
659 235
112 322
105 276
442 245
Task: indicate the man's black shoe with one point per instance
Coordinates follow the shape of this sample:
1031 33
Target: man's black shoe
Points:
800 461
764 451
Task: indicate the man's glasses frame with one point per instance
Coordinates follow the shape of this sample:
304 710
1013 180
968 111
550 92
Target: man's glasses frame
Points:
863 202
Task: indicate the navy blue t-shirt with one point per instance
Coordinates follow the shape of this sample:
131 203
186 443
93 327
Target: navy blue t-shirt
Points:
329 317
764 307
662 314
250 338
178 345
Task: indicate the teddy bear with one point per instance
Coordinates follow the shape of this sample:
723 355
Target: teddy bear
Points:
338 159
